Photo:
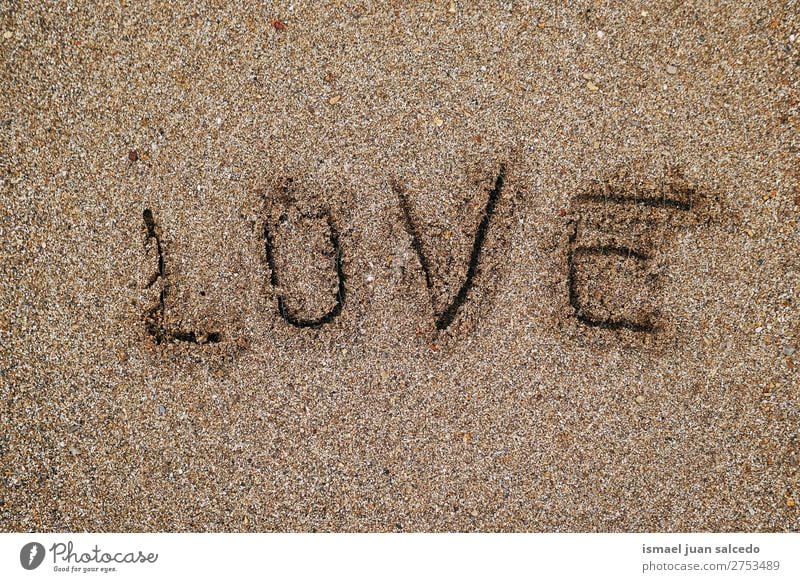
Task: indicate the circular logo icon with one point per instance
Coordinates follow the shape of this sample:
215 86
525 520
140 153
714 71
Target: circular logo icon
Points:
31 555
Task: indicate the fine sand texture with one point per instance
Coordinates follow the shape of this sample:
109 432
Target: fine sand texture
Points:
384 266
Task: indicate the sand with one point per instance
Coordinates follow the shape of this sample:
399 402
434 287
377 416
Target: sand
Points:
274 348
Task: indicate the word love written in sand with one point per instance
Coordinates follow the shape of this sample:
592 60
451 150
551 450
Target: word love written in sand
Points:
613 231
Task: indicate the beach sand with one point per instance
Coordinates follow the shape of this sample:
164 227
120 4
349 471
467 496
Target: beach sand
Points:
356 266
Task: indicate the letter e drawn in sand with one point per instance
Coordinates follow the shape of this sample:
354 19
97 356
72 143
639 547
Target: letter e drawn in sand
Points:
275 279
614 234
154 319
448 314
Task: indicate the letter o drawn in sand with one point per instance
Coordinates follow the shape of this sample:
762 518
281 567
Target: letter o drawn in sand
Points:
283 309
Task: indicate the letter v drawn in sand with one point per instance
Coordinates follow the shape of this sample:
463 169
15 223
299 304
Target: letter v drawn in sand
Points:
446 316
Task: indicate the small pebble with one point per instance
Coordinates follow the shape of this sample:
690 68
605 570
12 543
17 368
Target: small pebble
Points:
788 351
438 121
161 409
672 69
335 99
133 156
8 34
591 86
640 399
